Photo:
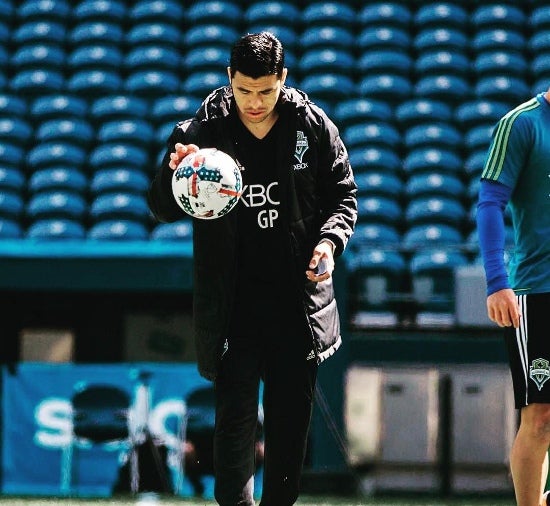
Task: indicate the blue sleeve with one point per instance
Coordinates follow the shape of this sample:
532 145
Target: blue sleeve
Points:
493 198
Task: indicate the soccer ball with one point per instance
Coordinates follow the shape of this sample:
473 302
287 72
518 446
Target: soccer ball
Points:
207 184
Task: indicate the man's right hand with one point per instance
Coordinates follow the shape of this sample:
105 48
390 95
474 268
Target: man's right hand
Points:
181 151
503 308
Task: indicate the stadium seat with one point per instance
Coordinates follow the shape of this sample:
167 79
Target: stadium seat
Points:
432 235
5 35
96 32
95 56
181 230
382 183
441 14
496 39
12 105
391 88
200 84
209 35
354 111
117 155
434 183
129 130
474 112
379 235
336 37
118 230
56 204
12 179
56 154
491 63
38 56
540 67
100 10
377 209
119 180
498 15
328 86
392 14
12 205
451 89
391 61
435 134
157 11
375 158
442 62
478 137
205 58
151 83
58 106
431 209
34 32
418 111
36 82
473 165
162 132
119 205
328 14
288 36
7 11
10 229
326 60
152 58
153 34
43 10
384 37
12 156
70 129
372 134
117 107
56 228
441 39
277 13
15 130
58 179
94 83
539 18
174 108
539 43
206 12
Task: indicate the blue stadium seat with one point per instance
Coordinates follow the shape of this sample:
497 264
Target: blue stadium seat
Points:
73 130
119 205
12 179
118 230
539 43
473 165
354 111
99 11
56 204
328 14
96 32
383 37
56 228
378 209
437 62
371 134
34 32
15 130
496 39
58 178
539 18
390 61
116 107
441 14
435 134
12 205
326 60
434 183
336 37
387 184
153 34
478 137
375 158
95 56
205 58
506 88
540 67
7 12
433 209
277 13
328 86
394 14
475 112
151 83
421 110
387 87
288 36
4 57
174 108
38 56
539 86
10 229
432 159
447 88
12 156
158 11
162 132
206 12
119 180
380 235
129 130
498 15
56 154
35 82
500 62
441 39
44 10
58 106
181 230
94 83
152 58
209 35
432 235
117 155
200 84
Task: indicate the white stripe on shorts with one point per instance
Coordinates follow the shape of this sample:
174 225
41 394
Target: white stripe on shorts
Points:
522 338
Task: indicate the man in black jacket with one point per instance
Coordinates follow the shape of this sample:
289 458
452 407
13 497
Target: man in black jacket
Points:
263 300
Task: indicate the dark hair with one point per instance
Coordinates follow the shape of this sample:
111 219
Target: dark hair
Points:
256 55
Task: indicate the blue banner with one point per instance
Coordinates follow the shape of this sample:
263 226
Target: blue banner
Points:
37 422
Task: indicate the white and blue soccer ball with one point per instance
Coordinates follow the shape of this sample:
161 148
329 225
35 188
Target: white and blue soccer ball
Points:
207 184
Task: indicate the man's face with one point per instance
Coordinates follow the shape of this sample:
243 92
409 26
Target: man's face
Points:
256 98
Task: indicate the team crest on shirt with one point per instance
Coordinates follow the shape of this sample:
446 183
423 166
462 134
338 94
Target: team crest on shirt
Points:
539 372
302 146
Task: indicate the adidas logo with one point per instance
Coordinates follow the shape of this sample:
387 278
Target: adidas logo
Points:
311 355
